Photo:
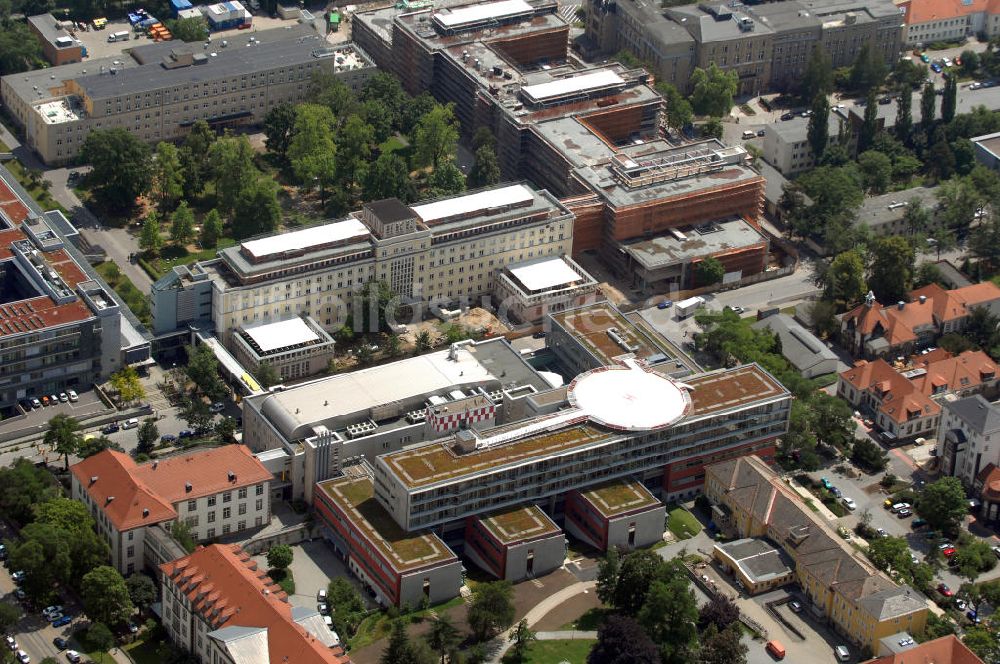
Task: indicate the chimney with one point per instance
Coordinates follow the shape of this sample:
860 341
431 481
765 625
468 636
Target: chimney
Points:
155 464
232 476
900 305
107 501
93 479
145 511
187 487
923 299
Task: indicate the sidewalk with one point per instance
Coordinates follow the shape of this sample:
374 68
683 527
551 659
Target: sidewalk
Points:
502 642
573 635
120 656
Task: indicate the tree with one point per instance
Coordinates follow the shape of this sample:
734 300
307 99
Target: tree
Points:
19 50
22 487
491 610
484 138
92 445
720 611
869 69
312 151
869 455
150 240
100 636
823 318
983 641
722 646
446 180
890 271
195 153
713 90
678 108
343 595
279 127
195 412
607 575
950 99
709 271
712 128
141 590
211 229
636 574
486 170
973 559
354 146
258 210
621 640
393 345
889 553
388 177
9 615
819 126
869 126
279 556
904 114
203 370
230 161
928 104
940 159
105 596
126 383
267 375
168 176
225 429
63 436
122 166
876 171
194 29
442 636
942 504
844 280
182 225
818 79
984 242
669 615
148 433
436 136
400 650
423 342
521 637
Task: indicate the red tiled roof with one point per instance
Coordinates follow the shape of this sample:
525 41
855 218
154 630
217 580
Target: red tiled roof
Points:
923 11
967 370
989 477
899 397
977 294
107 478
944 650
145 494
227 589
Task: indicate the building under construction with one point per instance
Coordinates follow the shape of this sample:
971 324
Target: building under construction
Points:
589 135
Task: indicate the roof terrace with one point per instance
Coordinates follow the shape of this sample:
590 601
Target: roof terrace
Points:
405 551
620 497
519 523
592 326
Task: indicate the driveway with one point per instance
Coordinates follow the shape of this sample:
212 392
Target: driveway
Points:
313 565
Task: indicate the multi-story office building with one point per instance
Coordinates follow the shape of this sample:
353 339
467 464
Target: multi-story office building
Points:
440 252
839 583
616 421
966 443
220 606
215 492
159 90
588 135
768 44
931 21
294 348
60 325
308 432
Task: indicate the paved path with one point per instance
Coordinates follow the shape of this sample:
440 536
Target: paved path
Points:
500 644
120 656
572 635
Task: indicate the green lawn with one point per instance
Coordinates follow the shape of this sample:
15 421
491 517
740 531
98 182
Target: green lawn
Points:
554 652
136 300
378 624
143 652
171 256
95 655
284 578
682 523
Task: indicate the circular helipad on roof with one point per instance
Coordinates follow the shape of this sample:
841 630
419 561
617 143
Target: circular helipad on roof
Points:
630 397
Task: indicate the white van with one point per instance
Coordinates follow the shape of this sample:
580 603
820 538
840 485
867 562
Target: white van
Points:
118 36
130 423
843 654
748 134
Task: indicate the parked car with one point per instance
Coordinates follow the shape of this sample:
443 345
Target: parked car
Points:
918 523
22 657
73 396
949 552
666 304
960 604
51 610
63 397
54 617
63 621
826 483
837 493
944 590
168 438
73 656
885 100
321 595
881 532
18 576
973 615
795 606
186 433
217 407
130 423
35 403
904 513
926 58
60 643
936 67
45 400
11 642
787 116
53 399
888 503
323 608
842 653
996 551
110 428
849 503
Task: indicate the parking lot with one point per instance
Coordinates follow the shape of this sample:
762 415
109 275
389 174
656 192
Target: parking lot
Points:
313 565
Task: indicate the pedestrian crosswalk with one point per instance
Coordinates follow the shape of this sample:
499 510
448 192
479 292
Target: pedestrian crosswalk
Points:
568 12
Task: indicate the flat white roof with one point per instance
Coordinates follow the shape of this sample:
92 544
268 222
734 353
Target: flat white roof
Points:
565 86
482 12
544 273
630 397
306 238
478 202
283 333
